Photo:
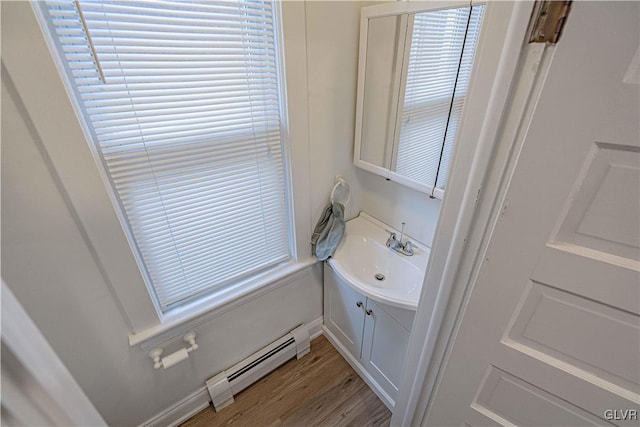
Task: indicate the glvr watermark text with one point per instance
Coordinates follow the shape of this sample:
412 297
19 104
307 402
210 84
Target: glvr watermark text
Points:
621 414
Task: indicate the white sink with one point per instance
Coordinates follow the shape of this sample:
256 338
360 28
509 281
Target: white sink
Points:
365 263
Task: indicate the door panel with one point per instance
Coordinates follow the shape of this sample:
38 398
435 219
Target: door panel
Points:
584 334
598 216
385 339
514 401
343 317
551 332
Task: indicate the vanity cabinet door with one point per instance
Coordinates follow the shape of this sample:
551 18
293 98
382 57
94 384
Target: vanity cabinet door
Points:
344 312
385 346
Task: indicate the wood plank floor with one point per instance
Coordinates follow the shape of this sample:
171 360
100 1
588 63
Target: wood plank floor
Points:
320 389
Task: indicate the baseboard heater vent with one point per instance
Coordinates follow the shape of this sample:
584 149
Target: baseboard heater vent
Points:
227 383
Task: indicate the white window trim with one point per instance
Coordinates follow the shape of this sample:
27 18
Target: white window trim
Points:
188 316
140 309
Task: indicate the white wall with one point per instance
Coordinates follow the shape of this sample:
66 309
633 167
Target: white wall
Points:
332 63
52 267
332 60
394 204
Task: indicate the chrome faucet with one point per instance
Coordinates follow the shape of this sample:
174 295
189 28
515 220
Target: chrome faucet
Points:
397 245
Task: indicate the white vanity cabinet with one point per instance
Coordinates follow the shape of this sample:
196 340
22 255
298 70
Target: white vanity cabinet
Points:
372 336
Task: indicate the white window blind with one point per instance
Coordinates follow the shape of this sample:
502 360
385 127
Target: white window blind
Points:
188 126
440 61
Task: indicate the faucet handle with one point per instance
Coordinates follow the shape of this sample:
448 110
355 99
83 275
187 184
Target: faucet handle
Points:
408 247
392 237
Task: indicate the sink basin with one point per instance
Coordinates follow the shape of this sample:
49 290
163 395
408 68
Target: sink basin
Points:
364 262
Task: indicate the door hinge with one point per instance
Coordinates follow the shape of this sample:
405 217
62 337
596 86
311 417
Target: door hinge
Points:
547 20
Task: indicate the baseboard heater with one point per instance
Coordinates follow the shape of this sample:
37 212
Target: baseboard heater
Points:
227 383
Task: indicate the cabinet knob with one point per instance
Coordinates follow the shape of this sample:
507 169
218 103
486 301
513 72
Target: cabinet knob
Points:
369 312
359 304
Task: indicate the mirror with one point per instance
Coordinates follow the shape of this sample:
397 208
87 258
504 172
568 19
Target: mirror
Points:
414 72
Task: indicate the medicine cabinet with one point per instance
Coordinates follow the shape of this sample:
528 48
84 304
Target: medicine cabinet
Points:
415 65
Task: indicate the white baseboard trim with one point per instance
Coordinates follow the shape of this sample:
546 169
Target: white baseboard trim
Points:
200 399
315 328
355 364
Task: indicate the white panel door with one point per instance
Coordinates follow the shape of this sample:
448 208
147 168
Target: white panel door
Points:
551 333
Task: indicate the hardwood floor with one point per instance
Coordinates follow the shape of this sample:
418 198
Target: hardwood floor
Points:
320 389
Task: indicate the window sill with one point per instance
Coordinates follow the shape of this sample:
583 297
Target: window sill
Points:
189 316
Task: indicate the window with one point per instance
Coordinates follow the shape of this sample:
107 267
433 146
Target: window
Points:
184 104
441 56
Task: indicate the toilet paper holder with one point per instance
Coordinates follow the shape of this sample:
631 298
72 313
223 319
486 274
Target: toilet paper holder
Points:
175 357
